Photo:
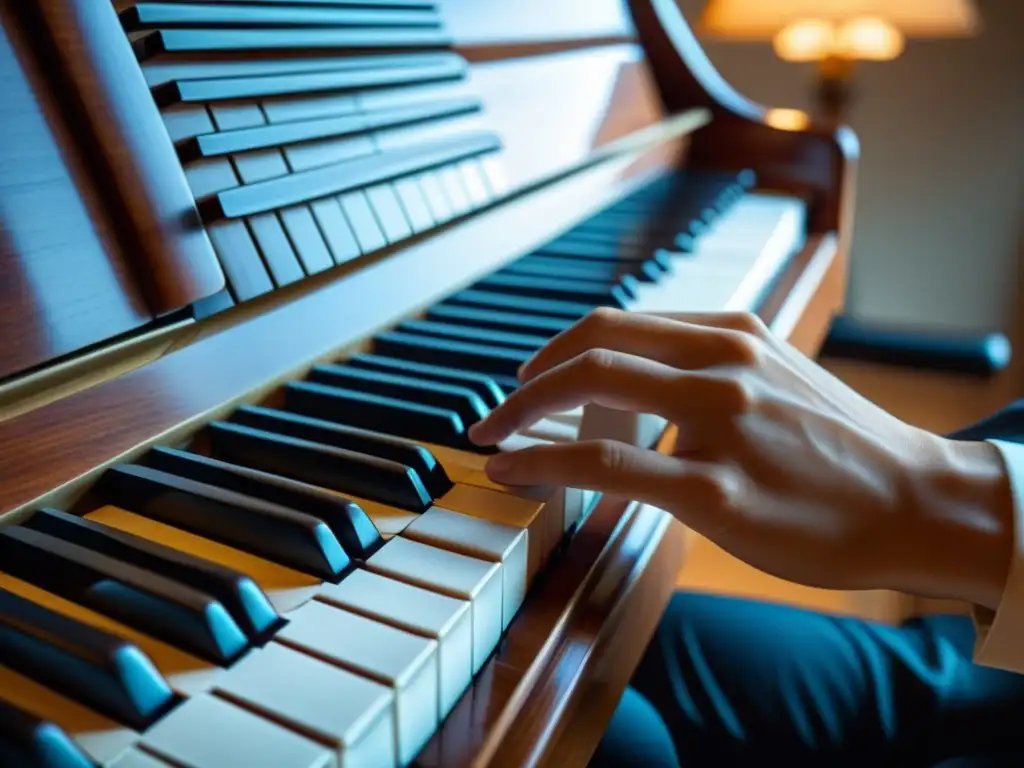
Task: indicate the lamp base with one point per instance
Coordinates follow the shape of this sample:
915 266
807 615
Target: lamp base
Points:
834 90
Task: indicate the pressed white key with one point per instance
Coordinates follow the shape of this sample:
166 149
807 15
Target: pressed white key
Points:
101 739
405 662
352 714
136 759
553 431
186 674
484 540
420 611
572 418
209 732
452 574
542 519
285 588
601 423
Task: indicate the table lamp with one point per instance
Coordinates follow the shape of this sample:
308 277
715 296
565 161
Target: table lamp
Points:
836 34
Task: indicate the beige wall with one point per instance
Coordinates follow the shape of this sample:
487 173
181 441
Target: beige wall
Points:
941 199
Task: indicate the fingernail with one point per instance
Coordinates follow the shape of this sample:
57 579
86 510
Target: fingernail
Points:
498 465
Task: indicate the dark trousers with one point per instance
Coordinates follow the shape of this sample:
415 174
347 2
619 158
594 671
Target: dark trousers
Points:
727 681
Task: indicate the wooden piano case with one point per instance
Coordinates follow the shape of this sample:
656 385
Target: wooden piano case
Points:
588 100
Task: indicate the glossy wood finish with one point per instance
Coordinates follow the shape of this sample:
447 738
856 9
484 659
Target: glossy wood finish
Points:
545 697
817 160
65 282
308 323
145 190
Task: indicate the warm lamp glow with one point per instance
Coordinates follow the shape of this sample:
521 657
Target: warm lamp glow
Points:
812 30
787 119
870 39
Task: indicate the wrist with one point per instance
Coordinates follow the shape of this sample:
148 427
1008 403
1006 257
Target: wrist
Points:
960 532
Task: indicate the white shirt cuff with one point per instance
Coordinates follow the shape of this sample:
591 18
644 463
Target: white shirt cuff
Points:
1000 633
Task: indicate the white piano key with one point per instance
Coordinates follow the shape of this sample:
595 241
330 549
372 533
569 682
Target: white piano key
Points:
452 574
573 417
405 662
482 539
729 269
474 495
355 716
445 619
553 431
101 739
209 732
136 759
602 423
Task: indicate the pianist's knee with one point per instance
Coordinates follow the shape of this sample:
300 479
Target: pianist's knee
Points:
636 736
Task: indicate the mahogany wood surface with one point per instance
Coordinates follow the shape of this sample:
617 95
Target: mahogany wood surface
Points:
65 282
545 696
105 95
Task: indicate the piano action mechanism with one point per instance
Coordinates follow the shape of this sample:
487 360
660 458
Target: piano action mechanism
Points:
262 263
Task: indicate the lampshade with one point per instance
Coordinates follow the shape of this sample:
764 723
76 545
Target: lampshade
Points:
812 30
763 19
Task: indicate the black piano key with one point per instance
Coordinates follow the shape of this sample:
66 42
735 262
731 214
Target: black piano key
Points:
81 662
242 598
503 302
336 178
478 335
244 40
508 383
484 386
277 533
143 16
571 269
27 741
154 604
512 322
346 519
618 250
379 413
589 292
503 361
452 397
441 68
311 462
389 447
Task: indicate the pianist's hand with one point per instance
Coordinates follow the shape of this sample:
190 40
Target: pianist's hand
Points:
776 461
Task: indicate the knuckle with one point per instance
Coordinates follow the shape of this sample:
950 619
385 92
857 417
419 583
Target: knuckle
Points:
747 322
738 394
744 349
595 362
609 456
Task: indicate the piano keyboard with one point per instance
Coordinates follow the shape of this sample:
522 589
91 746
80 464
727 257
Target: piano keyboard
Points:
315 580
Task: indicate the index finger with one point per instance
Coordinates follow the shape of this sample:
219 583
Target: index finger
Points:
690 489
667 341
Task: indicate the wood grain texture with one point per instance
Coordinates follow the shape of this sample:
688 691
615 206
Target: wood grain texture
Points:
104 92
546 695
65 282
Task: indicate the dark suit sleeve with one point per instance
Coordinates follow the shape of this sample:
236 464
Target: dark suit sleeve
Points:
1006 425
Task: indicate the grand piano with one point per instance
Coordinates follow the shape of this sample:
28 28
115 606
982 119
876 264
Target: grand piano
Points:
262 262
